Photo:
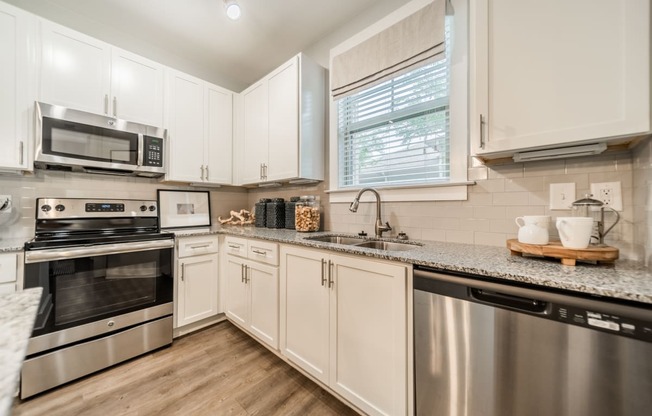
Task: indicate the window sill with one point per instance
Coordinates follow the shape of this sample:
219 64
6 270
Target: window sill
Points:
455 191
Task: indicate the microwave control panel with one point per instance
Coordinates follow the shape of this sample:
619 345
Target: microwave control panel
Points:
152 151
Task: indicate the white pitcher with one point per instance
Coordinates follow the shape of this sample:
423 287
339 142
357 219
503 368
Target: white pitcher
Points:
533 229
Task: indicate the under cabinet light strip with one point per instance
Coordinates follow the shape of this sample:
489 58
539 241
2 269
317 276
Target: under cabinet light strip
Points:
561 152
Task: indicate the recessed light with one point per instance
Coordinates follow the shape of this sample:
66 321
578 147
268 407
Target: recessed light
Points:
232 9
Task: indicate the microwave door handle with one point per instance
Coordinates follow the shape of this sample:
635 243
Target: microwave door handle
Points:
141 145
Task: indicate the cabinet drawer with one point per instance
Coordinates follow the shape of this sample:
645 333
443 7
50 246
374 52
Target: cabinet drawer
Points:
195 246
8 267
236 246
263 252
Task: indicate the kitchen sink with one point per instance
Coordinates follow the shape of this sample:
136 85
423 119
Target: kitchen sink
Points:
337 239
387 245
366 243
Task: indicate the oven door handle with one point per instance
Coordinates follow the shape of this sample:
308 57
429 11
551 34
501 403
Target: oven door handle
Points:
38 256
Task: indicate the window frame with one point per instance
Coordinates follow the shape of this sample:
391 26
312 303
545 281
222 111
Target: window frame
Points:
456 188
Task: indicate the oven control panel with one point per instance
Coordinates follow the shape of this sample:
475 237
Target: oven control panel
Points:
60 208
94 207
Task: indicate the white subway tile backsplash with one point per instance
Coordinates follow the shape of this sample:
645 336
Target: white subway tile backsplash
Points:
510 198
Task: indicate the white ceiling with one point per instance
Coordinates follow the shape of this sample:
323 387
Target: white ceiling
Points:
191 34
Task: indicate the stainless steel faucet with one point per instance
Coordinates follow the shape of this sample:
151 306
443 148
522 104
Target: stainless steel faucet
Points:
379 227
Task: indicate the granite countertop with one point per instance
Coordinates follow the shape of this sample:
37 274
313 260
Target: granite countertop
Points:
624 279
12 244
17 315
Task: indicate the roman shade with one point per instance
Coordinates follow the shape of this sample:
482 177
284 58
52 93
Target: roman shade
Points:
414 41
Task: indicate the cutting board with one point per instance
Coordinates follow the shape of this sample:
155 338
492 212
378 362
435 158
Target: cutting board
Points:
568 256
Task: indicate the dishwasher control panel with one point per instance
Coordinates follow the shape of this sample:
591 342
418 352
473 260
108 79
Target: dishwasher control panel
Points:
625 326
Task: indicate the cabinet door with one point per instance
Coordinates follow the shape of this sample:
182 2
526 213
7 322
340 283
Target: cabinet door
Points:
255 150
75 69
236 299
305 310
185 128
368 349
263 297
284 122
197 289
545 78
219 134
14 104
136 88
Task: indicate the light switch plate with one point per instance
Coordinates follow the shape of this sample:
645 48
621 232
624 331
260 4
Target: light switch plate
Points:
562 195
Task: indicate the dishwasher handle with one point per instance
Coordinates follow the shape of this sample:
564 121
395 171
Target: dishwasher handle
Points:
508 301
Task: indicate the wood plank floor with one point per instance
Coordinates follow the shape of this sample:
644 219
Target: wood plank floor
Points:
216 371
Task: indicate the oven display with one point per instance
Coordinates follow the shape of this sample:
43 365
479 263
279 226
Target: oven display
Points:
105 207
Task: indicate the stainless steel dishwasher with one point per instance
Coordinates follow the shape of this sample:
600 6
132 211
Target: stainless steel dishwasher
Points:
490 349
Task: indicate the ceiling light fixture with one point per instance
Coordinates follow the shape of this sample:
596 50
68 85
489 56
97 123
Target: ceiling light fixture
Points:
232 9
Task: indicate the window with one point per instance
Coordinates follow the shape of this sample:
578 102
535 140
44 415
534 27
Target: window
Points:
398 132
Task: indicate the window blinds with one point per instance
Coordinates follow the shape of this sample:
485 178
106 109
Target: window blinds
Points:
397 132
413 41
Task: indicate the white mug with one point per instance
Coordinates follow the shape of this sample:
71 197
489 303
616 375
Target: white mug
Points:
575 232
534 229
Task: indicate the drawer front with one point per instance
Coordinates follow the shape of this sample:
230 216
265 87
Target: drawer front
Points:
263 251
236 246
196 246
8 267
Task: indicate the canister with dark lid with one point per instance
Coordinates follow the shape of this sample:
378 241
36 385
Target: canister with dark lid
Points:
289 212
260 211
276 213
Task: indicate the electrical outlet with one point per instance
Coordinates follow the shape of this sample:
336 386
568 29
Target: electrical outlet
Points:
610 193
562 195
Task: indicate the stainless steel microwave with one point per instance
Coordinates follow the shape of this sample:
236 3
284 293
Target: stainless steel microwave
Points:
74 140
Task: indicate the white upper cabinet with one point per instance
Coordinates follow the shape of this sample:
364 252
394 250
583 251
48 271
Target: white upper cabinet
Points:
256 137
553 73
16 94
137 88
199 119
84 73
185 124
219 134
283 125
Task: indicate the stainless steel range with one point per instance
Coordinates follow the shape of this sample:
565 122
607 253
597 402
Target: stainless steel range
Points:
107 278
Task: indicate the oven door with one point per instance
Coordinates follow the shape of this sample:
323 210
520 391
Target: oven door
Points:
90 291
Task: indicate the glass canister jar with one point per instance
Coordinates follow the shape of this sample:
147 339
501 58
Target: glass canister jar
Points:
307 214
289 212
276 213
260 212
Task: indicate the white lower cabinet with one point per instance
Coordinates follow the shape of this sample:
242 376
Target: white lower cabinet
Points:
344 321
251 299
9 265
197 279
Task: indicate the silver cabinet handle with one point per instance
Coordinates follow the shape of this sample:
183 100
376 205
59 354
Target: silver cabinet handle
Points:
246 272
106 104
323 273
242 273
331 282
21 151
234 246
265 171
200 246
115 107
183 271
262 253
206 172
261 171
482 125
202 172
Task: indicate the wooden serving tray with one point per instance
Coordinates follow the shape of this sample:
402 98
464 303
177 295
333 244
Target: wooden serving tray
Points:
568 256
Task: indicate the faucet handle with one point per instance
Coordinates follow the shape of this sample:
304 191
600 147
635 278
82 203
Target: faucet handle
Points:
362 234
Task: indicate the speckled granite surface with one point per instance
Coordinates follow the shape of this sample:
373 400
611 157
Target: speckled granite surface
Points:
12 244
624 280
17 314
